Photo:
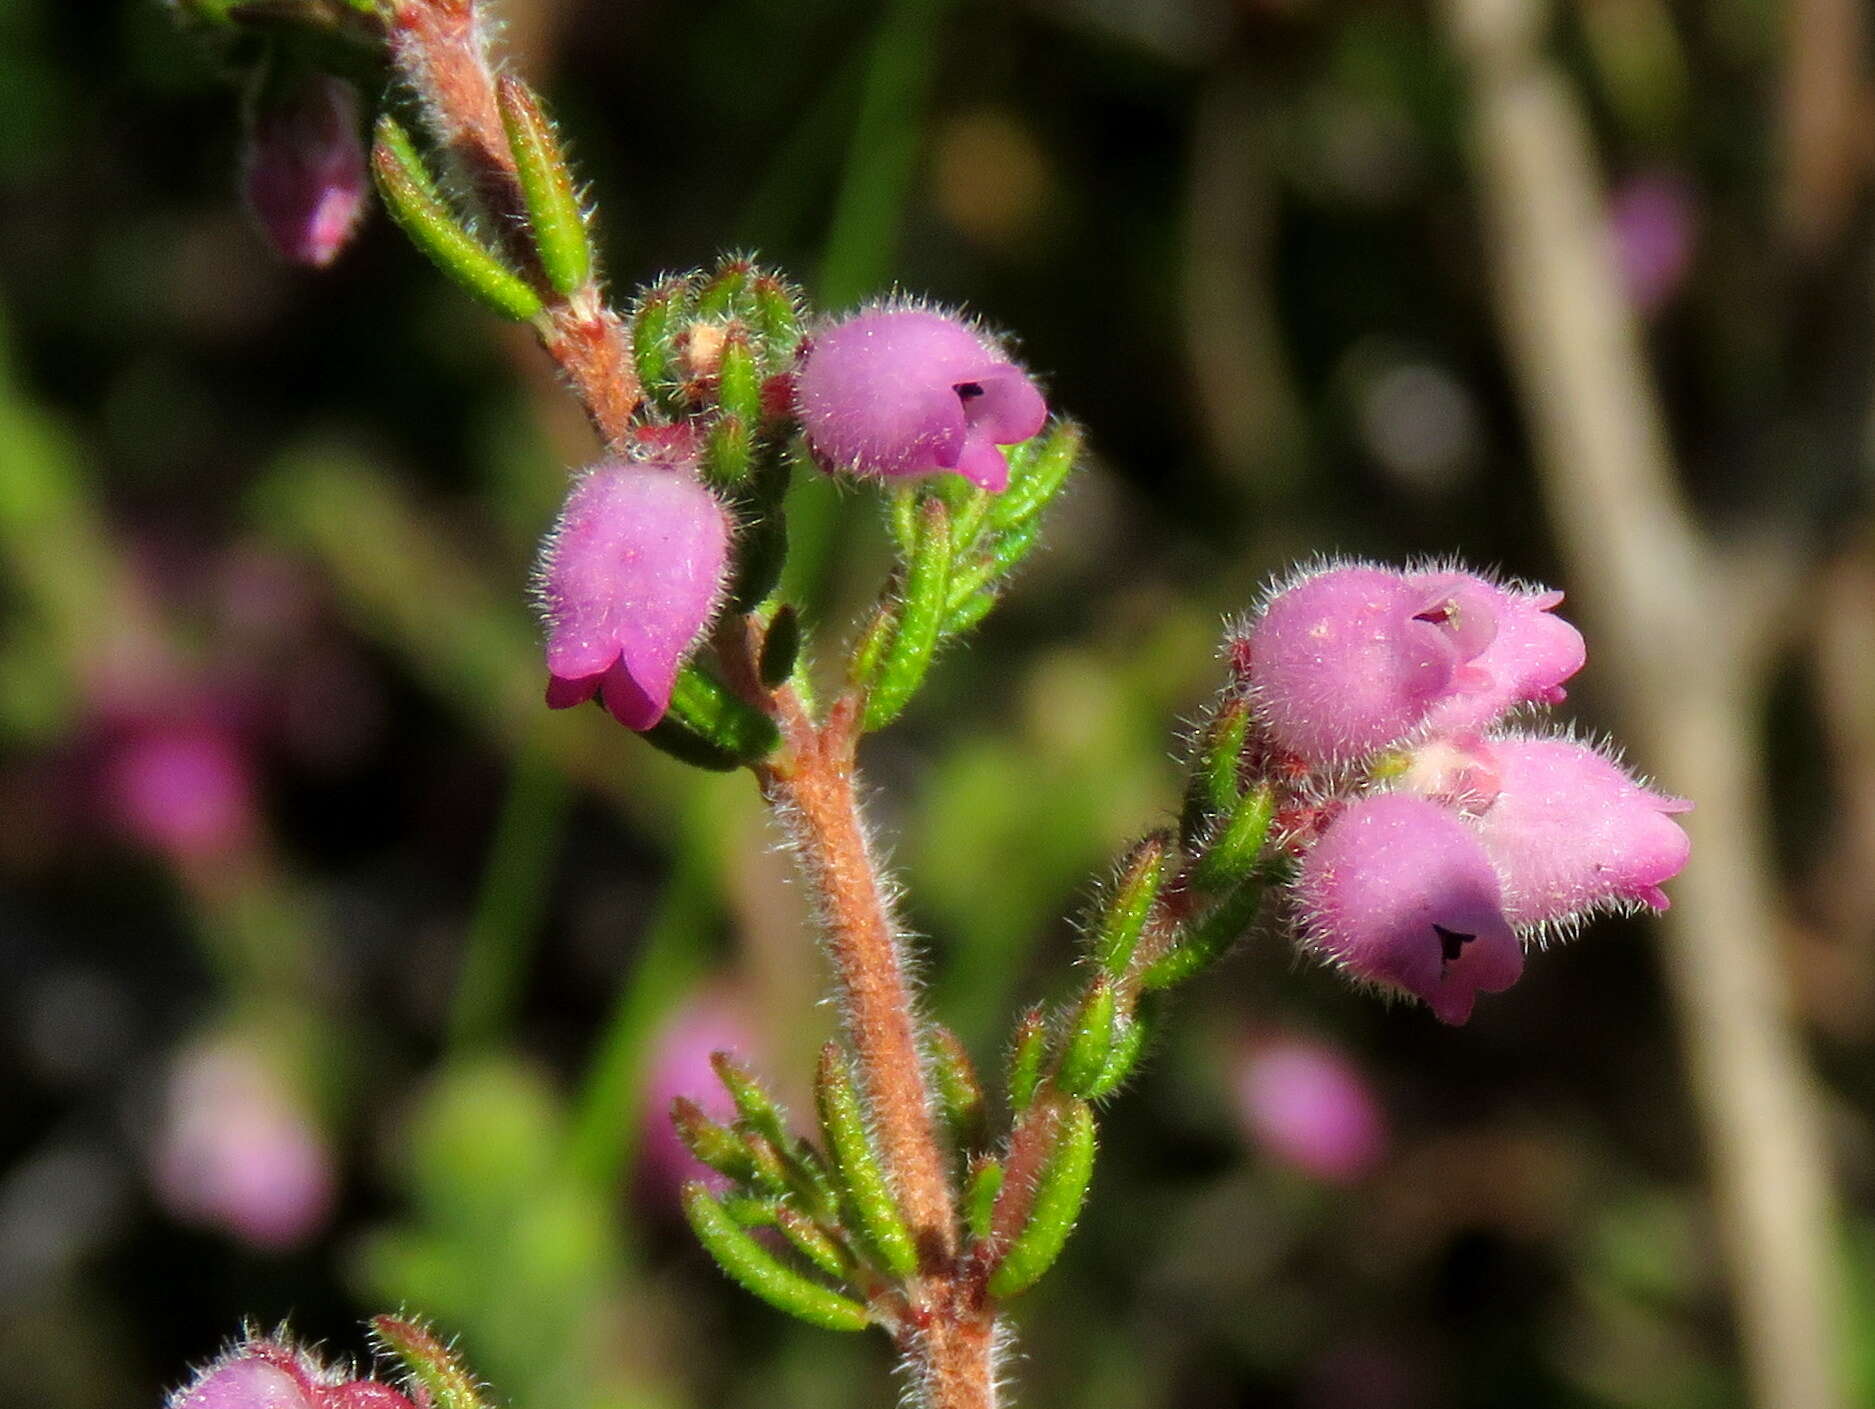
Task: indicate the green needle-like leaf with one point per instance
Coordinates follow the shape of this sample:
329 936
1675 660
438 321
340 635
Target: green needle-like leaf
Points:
1037 470
1060 1190
1215 786
981 1186
1027 1050
869 648
433 1365
868 1193
959 1092
1234 851
761 1272
923 605
753 1103
555 220
729 450
712 1143
1129 1040
1130 903
778 316
1207 939
738 379
706 708
415 204
654 326
809 1239
1090 1040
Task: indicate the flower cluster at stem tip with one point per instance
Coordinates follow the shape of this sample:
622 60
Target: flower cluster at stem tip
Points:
636 568
1434 841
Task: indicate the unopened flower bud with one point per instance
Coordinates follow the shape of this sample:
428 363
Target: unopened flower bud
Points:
269 1374
1351 659
906 391
1570 833
1528 654
303 169
1399 891
248 1381
629 579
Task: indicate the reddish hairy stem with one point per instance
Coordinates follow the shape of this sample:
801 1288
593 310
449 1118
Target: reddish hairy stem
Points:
946 1332
816 793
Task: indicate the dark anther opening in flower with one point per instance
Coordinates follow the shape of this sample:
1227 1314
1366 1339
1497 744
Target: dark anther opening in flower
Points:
1436 616
1452 943
968 390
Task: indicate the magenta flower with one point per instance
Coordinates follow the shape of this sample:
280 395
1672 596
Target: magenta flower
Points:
1398 891
304 168
1571 833
1312 1108
238 1150
1528 653
1351 659
630 578
898 391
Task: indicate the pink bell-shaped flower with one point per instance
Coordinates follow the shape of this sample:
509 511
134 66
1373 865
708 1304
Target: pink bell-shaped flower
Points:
905 391
1351 659
1570 832
630 578
1527 654
304 168
1398 891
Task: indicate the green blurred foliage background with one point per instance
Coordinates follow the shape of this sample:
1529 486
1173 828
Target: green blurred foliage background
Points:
1240 242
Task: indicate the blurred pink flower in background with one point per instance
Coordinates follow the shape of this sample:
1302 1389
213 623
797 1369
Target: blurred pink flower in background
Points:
183 788
1306 1104
238 1149
1653 221
714 1020
303 167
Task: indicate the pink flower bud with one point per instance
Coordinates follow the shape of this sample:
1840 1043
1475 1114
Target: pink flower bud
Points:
630 578
1524 660
304 168
185 789
1571 832
1351 659
237 1149
1398 891
246 1383
904 391
266 1374
1311 1108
